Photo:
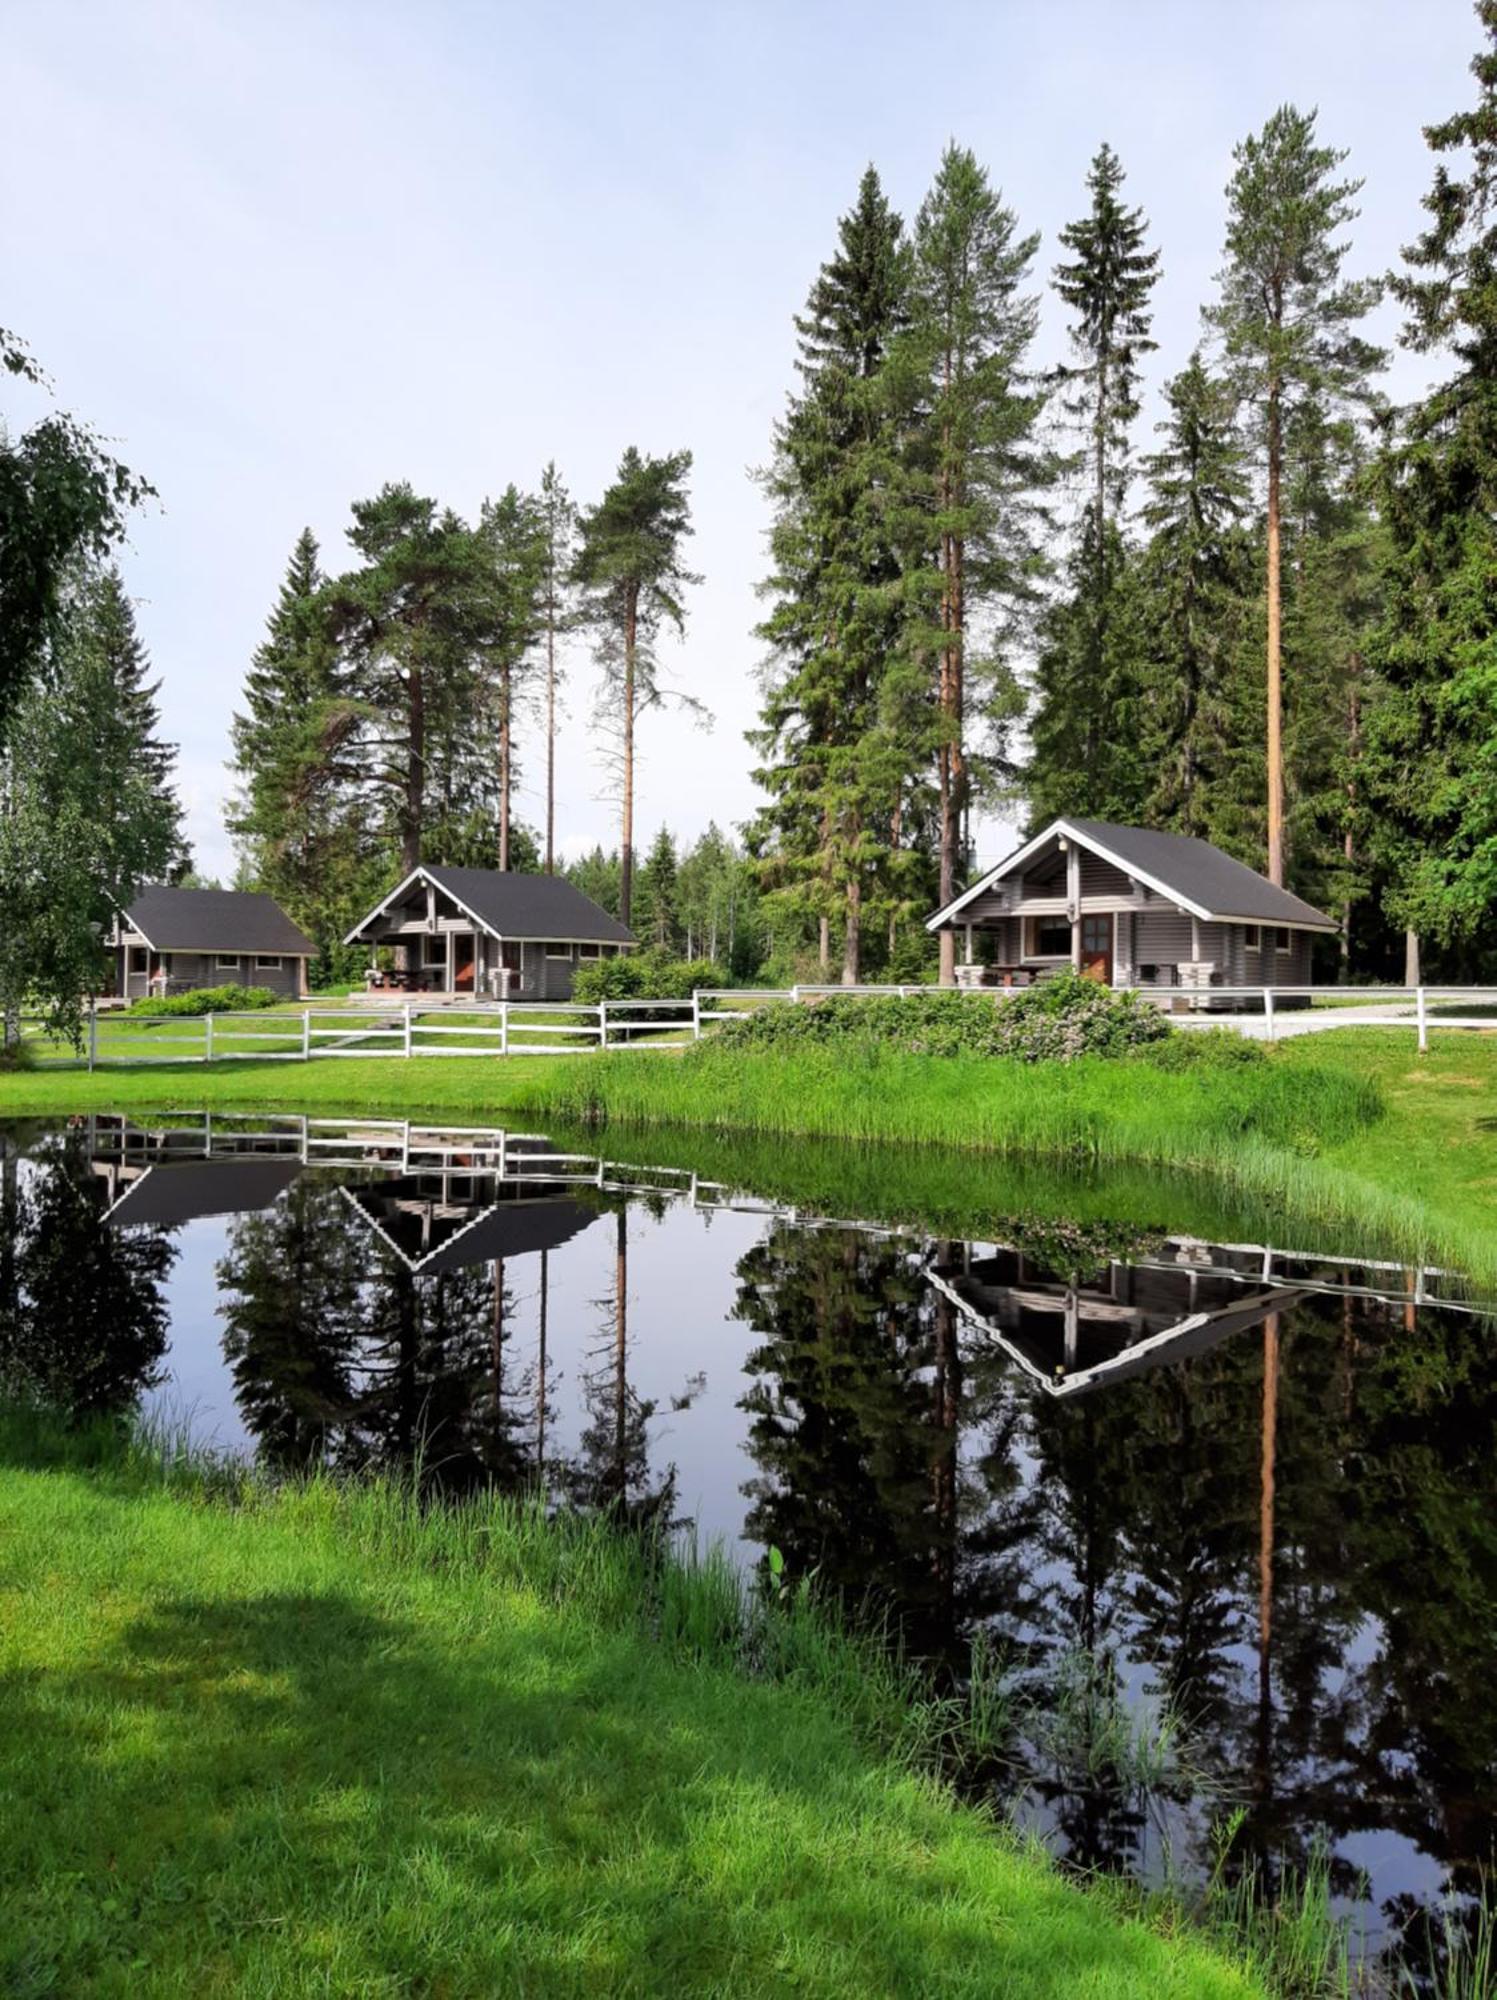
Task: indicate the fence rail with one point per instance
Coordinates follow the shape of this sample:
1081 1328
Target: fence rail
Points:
519 1028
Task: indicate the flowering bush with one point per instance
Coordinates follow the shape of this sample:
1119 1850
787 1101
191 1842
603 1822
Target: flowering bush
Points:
207 1000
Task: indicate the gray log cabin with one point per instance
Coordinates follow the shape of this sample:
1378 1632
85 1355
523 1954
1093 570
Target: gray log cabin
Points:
1131 907
174 940
477 933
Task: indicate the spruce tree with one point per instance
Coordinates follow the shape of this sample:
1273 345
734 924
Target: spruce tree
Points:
655 904
633 577
840 721
973 326
103 621
511 620
1432 752
1287 322
297 760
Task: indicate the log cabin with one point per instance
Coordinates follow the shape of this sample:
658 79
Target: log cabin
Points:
479 933
1129 906
178 940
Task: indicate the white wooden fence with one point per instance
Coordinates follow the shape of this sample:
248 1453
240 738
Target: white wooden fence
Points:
517 1028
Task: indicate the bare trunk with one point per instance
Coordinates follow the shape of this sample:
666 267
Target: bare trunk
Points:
1349 845
550 744
540 1379
1268 1449
1411 958
626 832
825 947
504 771
896 832
621 1355
414 804
1275 662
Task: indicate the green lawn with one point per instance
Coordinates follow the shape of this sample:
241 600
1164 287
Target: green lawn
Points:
310 1743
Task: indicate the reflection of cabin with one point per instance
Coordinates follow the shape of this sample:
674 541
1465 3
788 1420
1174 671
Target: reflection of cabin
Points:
1130 907
1074 1337
479 932
166 1195
175 940
435 1222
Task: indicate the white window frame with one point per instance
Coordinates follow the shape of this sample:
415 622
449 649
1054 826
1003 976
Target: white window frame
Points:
1283 939
589 951
437 944
267 963
140 958
559 951
1252 936
224 963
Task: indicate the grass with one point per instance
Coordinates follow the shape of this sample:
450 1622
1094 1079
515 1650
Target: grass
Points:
1298 1139
313 1739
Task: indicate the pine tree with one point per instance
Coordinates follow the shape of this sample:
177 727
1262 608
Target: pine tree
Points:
1432 754
840 720
630 569
559 527
1287 322
973 325
655 904
295 814
513 531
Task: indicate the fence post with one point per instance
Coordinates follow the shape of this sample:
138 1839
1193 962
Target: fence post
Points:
696 1015
503 1031
306 1034
407 1027
795 994
1423 1024
1268 1013
602 1024
93 1032
207 1038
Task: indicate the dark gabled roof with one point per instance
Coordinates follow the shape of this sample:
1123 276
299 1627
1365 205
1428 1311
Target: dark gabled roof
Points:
186 1191
1192 872
226 920
521 906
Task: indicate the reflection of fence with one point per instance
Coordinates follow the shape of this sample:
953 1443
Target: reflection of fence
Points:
529 1159
517 1028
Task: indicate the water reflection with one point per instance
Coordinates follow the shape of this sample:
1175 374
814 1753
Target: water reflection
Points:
1257 1487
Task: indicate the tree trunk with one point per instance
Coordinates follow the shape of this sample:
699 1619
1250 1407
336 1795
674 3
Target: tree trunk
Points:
825 947
621 1358
1411 958
414 804
626 831
1275 663
852 939
504 769
540 1379
1349 845
550 743
1268 1448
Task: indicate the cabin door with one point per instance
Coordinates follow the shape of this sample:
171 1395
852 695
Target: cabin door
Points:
464 955
1096 949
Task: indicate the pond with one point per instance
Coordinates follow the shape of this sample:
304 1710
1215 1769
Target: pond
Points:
1223 1511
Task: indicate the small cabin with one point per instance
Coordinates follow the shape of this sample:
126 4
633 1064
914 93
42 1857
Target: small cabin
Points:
483 933
1130 906
177 940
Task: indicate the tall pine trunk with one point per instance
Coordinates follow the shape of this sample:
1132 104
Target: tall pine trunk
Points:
504 767
550 742
626 831
1275 663
414 803
852 937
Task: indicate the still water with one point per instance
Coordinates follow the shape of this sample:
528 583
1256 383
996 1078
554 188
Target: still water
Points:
1251 1490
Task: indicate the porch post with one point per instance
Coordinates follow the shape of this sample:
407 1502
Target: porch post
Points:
968 935
1073 901
449 975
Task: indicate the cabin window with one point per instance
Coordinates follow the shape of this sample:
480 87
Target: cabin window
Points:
268 964
434 951
1049 937
589 951
227 964
140 958
1281 940
559 951
1250 935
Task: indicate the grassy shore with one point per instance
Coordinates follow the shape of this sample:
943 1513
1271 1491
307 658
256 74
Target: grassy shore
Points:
313 1739
1351 1130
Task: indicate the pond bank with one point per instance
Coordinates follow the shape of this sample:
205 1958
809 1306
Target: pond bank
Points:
1292 1133
309 1738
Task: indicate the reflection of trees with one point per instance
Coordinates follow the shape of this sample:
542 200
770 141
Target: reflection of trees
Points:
83 1323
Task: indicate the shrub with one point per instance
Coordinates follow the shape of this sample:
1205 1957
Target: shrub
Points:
644 975
208 1000
1203 1048
1054 1021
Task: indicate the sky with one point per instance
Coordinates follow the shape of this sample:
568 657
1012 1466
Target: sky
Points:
282 254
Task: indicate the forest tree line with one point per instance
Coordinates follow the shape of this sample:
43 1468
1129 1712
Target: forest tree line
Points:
1269 622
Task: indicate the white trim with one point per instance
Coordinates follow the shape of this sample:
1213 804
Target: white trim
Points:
1064 829
423 873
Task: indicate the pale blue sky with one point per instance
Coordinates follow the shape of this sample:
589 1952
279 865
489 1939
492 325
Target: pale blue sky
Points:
286 252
